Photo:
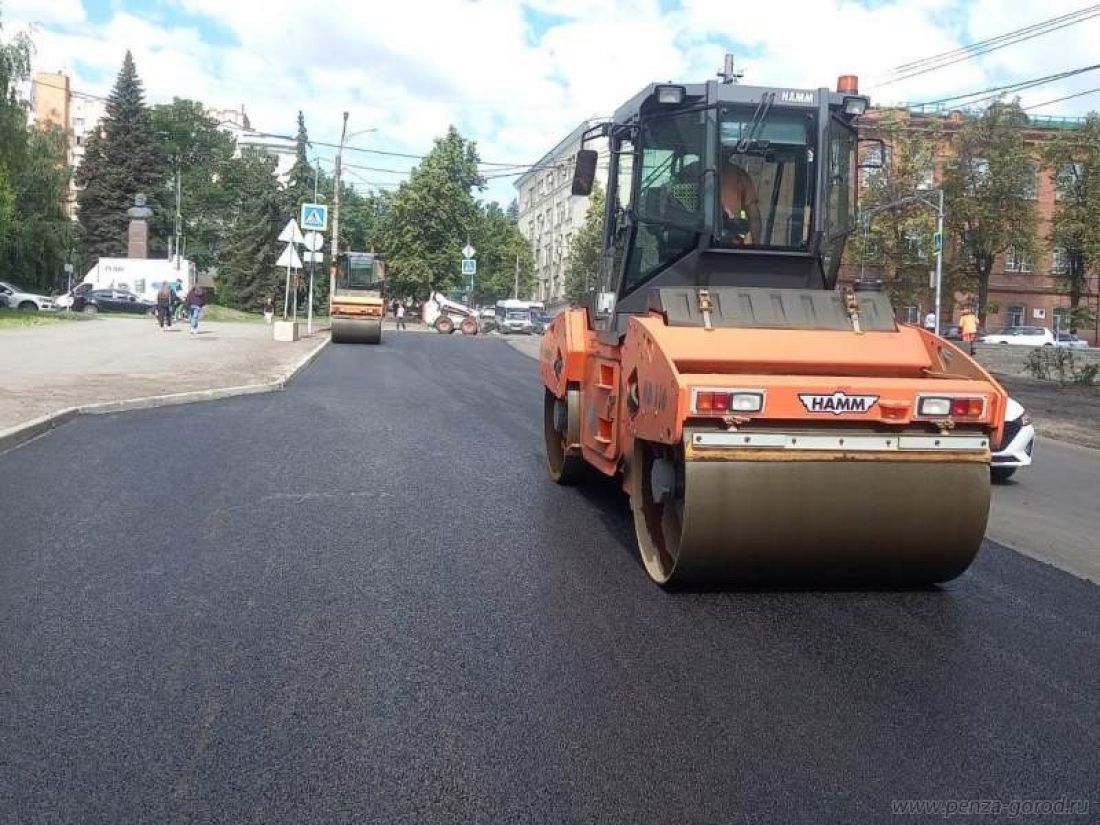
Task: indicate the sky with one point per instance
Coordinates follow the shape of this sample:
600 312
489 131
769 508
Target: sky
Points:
518 75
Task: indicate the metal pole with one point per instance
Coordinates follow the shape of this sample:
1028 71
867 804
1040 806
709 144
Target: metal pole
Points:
179 216
336 207
515 288
939 263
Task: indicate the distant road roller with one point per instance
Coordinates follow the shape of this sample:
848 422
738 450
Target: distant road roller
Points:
767 426
356 306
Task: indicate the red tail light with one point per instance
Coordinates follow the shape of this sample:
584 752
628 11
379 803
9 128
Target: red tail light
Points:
967 407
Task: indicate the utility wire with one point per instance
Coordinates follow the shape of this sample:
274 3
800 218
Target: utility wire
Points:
942 64
904 67
1060 99
1014 87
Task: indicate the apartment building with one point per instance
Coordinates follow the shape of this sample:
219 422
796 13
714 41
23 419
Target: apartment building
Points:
53 101
549 214
1022 290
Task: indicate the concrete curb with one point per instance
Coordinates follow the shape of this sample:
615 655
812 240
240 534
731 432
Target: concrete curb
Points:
20 434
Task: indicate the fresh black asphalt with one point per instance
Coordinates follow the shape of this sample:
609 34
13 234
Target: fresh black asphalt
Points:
362 600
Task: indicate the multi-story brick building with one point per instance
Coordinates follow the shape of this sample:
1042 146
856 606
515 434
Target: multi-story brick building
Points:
53 101
1022 291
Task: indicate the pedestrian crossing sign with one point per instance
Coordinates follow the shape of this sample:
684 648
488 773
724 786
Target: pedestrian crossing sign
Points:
314 217
469 266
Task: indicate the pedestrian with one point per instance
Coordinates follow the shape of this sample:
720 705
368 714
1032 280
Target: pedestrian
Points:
930 322
400 311
269 311
968 324
195 302
164 306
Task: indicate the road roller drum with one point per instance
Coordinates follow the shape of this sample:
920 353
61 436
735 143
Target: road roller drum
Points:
354 331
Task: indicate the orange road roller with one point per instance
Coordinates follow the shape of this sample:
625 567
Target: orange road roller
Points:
768 426
356 306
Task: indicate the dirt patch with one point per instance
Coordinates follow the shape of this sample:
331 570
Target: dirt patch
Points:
1068 413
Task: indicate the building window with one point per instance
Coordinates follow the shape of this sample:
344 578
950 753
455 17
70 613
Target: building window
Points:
1027 190
926 175
1016 315
1016 262
979 171
1059 261
911 315
1068 182
1061 318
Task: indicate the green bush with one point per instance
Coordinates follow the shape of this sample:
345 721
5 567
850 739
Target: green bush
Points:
1058 364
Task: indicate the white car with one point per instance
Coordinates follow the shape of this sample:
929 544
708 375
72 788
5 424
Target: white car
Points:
13 297
1022 336
1070 341
1016 445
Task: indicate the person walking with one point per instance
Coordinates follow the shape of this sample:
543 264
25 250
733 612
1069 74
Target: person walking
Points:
968 325
164 306
400 312
195 303
930 322
269 311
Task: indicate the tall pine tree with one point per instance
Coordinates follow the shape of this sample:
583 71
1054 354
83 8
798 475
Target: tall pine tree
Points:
299 185
247 272
120 162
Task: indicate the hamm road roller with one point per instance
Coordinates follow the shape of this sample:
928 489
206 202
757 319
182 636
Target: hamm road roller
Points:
356 306
768 427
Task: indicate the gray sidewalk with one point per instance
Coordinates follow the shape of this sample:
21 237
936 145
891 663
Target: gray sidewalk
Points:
51 368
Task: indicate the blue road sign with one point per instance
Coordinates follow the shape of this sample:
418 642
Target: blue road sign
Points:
314 217
469 266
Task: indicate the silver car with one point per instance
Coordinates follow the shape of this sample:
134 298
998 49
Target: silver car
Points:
14 297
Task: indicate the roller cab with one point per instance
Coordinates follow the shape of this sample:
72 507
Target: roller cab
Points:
356 304
767 427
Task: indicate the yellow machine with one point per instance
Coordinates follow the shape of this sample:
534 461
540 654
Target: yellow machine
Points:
355 298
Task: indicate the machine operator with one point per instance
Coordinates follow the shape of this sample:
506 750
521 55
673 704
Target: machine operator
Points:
740 203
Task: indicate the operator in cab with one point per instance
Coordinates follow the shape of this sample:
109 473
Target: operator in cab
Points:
740 203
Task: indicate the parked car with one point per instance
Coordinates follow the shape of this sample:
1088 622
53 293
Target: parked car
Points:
1070 341
111 300
14 297
541 321
67 300
1022 336
1016 445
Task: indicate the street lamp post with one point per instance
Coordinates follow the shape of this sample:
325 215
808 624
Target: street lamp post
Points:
344 137
865 218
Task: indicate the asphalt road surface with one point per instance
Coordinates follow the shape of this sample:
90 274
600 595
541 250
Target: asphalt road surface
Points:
361 600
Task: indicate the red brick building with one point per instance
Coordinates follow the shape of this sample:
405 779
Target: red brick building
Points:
1021 291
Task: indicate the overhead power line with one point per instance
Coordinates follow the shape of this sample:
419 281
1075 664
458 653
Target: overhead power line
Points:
1060 99
1013 87
982 48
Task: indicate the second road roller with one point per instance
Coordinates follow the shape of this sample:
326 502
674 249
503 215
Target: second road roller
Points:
356 305
768 426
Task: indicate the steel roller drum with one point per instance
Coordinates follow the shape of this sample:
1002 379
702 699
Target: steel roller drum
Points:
809 522
353 331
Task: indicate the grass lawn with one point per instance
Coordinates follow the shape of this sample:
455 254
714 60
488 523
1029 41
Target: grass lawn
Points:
17 319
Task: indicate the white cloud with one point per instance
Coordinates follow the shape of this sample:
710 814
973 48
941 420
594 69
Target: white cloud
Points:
410 69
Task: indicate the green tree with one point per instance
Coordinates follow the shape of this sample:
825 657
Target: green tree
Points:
299 186
1074 161
247 275
196 150
582 267
36 236
502 255
989 184
124 162
430 217
897 245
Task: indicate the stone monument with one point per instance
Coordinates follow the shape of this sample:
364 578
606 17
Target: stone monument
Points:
137 240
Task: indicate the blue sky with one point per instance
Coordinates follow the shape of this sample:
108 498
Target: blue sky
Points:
517 76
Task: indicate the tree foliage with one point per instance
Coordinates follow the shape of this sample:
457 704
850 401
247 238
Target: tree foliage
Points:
36 236
430 218
505 266
119 163
989 183
247 275
300 182
1074 161
191 144
583 265
898 241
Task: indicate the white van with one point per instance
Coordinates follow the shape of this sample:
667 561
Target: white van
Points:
142 276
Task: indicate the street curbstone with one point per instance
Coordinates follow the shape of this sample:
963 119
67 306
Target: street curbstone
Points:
20 434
